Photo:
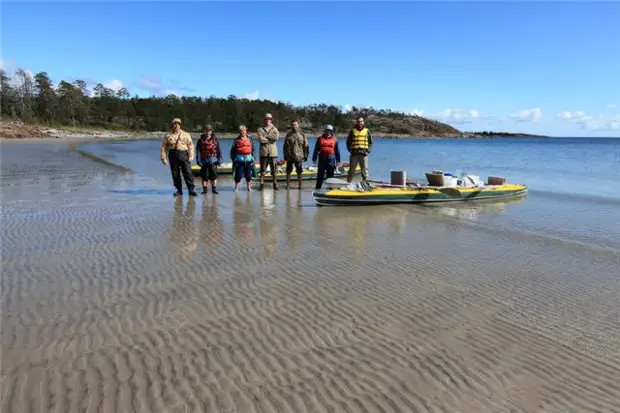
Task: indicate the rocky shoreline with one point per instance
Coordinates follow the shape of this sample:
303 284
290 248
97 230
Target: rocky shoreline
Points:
20 130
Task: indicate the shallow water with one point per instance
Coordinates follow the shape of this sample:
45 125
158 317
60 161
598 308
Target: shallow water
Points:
117 297
574 182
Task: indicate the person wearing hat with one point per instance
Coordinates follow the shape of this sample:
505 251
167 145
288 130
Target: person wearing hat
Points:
267 136
327 154
296 151
359 144
208 157
179 148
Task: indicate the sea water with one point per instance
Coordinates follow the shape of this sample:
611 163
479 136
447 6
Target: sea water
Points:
574 183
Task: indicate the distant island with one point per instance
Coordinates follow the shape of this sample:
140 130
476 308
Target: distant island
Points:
36 101
491 134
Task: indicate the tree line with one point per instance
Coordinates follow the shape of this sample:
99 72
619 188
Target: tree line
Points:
36 99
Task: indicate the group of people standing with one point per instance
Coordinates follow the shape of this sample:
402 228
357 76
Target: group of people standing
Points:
178 149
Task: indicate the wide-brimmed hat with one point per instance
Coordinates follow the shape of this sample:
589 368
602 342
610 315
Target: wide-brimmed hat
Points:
176 120
268 116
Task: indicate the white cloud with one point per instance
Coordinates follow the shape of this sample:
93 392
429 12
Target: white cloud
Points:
415 112
151 83
252 95
598 123
527 115
114 84
7 65
611 106
347 107
456 116
168 92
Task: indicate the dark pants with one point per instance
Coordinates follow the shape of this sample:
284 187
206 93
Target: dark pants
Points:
292 163
179 164
324 167
208 172
268 161
243 170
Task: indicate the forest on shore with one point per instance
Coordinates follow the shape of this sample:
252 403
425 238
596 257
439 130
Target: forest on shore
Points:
36 99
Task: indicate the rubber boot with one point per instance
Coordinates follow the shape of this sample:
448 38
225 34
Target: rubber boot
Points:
299 181
288 181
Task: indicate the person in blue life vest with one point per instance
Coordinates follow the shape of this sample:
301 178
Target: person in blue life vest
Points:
208 157
327 154
359 144
242 156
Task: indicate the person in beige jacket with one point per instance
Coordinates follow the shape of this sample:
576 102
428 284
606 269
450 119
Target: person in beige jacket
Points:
178 148
267 136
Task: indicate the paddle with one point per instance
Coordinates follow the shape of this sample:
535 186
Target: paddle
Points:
450 191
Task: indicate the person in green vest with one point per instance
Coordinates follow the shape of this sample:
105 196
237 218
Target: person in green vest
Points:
359 144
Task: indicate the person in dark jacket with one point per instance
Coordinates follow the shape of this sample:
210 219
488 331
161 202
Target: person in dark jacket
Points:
208 157
327 154
242 156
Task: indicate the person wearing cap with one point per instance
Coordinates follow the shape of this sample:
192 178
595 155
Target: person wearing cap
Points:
267 136
359 144
327 154
178 148
296 150
208 157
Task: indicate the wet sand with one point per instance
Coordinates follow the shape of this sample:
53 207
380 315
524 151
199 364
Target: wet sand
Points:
116 297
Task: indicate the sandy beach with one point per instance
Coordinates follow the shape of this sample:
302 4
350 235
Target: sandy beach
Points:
116 297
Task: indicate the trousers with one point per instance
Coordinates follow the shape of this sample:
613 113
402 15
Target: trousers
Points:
268 161
362 161
325 168
179 165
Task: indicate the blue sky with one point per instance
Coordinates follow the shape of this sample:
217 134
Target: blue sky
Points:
539 67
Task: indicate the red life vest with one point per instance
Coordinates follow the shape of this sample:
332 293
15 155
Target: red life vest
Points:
327 146
208 148
243 146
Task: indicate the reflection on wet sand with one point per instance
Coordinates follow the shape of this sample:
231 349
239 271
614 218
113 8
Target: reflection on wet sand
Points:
294 231
268 223
361 226
243 217
211 226
472 210
184 233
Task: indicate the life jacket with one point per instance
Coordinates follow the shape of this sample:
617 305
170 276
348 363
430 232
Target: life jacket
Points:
360 139
208 148
327 146
243 146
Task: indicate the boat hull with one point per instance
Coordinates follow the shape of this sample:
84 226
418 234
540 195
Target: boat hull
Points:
306 175
377 196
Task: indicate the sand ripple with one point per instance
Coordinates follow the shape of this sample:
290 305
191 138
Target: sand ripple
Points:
117 302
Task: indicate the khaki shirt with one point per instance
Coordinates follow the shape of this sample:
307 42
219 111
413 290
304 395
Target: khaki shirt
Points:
183 142
267 139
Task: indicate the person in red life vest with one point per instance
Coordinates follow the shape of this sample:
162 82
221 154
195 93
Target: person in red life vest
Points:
208 157
327 153
242 155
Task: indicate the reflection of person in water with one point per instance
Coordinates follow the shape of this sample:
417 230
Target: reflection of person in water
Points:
183 234
243 217
293 223
268 229
211 227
